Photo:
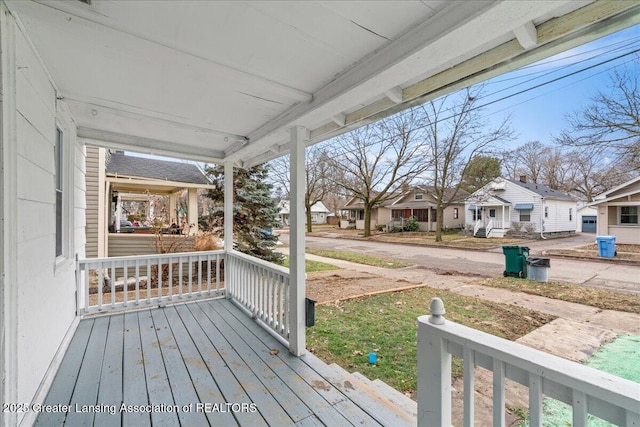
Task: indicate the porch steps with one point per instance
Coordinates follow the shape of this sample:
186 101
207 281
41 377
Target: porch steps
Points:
376 399
482 233
407 404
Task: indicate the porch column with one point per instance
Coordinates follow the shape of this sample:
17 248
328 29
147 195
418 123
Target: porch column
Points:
228 207
296 242
118 211
173 216
192 212
503 218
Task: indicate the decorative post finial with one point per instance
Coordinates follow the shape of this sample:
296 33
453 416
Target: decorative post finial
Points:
436 307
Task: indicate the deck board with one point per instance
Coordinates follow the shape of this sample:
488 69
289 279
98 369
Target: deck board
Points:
135 392
201 356
110 391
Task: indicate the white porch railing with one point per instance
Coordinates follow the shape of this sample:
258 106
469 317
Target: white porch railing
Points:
262 288
477 227
587 390
488 228
118 283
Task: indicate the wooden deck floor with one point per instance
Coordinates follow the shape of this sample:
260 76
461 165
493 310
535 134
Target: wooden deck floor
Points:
196 364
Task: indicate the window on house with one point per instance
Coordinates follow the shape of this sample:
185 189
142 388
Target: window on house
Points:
525 215
546 211
492 213
59 182
629 215
418 196
434 214
361 215
570 214
422 215
455 213
477 214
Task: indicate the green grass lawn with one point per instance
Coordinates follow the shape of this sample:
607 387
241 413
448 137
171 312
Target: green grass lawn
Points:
360 258
386 324
313 266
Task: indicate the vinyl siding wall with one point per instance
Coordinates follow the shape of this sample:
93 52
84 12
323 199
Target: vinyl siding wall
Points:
45 300
92 180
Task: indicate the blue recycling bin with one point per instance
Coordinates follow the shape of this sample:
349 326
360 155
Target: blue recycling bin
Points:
606 246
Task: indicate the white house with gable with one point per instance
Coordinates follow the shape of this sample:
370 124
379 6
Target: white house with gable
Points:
505 204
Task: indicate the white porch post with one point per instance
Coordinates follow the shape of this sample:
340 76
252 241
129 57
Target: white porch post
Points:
192 212
228 206
296 243
504 222
173 215
118 211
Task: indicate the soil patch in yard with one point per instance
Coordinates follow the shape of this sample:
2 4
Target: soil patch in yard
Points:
331 286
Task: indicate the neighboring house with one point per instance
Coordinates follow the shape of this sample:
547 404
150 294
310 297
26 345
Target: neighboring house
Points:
420 202
114 179
587 218
319 213
380 214
618 212
503 204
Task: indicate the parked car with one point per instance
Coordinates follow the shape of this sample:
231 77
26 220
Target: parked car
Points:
126 226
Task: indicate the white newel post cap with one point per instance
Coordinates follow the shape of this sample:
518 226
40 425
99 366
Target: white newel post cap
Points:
436 307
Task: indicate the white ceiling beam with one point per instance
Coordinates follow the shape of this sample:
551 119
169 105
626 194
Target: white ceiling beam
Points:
395 94
118 141
527 35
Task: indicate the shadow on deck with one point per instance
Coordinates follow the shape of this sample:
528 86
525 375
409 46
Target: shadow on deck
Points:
204 363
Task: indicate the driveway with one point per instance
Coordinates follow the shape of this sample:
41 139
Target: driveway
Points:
625 278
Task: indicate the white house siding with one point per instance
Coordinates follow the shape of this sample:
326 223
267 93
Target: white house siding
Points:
558 219
93 184
44 302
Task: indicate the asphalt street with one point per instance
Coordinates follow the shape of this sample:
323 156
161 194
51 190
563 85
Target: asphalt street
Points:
491 263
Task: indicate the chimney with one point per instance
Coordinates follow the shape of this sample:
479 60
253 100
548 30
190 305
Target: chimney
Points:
523 178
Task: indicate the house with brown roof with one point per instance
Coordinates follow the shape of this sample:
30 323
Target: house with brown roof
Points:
618 212
418 201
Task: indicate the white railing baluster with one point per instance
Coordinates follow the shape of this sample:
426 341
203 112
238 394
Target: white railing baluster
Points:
209 274
499 402
137 282
148 281
587 390
125 284
100 284
190 282
218 273
535 400
469 387
180 274
159 277
579 409
113 285
170 281
199 276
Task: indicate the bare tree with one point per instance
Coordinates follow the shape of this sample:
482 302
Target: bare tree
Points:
378 159
611 123
528 160
455 133
317 174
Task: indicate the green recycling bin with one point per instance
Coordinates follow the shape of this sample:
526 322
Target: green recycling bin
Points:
515 258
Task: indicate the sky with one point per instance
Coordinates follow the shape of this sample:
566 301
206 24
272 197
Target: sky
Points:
540 113
556 87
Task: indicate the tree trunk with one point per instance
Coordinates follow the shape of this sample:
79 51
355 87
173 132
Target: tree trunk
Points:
367 221
308 213
439 215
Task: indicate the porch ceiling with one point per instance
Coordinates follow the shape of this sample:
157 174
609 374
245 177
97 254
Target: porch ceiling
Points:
217 81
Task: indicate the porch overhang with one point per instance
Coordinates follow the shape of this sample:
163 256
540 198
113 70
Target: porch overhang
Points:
217 81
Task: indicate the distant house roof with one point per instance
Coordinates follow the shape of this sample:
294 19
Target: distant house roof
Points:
119 164
355 202
543 190
317 207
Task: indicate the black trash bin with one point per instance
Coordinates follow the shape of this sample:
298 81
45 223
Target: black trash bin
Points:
310 311
537 268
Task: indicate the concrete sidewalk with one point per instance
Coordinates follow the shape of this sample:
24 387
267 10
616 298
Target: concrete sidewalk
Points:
578 331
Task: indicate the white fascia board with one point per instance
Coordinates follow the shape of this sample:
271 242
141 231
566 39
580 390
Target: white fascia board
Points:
114 140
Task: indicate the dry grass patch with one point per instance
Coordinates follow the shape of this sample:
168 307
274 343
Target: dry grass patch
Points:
599 298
